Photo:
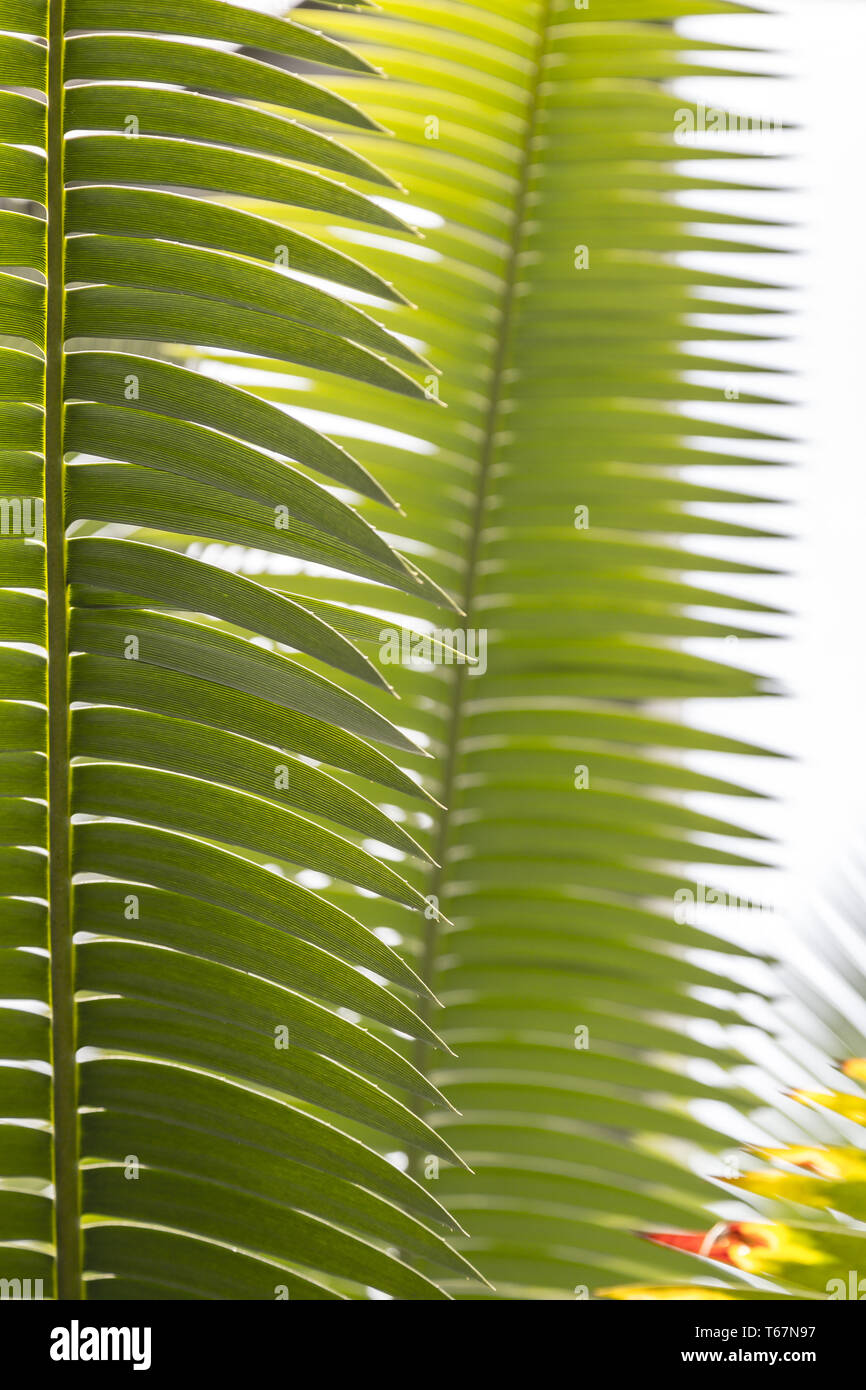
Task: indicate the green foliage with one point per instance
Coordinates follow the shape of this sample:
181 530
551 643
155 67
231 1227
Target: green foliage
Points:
206 731
214 1068
549 499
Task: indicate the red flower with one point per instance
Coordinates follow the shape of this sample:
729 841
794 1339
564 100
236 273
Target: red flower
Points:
726 1243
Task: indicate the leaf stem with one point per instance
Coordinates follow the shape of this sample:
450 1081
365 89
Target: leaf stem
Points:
498 384
64 1106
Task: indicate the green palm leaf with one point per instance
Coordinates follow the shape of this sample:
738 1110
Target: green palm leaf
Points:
542 143
202 1055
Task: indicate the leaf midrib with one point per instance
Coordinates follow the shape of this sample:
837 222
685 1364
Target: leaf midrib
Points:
64 1099
451 761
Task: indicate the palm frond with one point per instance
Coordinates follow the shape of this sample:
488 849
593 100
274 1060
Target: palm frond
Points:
536 144
190 1062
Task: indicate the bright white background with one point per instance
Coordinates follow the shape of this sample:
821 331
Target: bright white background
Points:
818 47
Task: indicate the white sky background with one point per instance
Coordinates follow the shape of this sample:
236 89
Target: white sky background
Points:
819 819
